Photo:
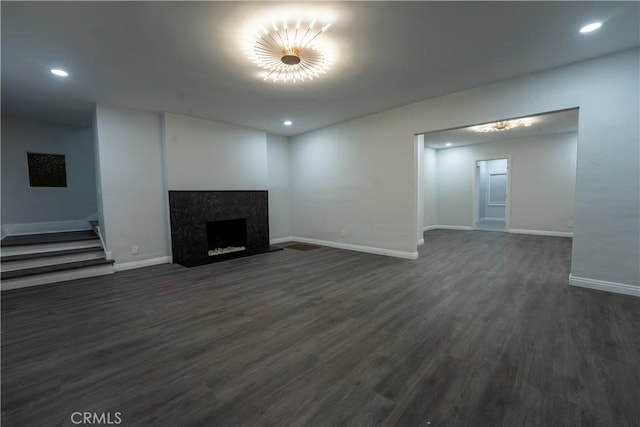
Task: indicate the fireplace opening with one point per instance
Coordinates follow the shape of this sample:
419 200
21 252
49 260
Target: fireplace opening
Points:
226 236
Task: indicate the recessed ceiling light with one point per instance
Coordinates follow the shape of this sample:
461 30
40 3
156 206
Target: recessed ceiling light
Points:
287 123
58 72
591 27
448 144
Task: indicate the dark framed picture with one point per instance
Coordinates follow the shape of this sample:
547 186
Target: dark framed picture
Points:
47 170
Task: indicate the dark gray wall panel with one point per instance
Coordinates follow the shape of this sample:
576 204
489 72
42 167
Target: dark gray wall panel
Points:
191 210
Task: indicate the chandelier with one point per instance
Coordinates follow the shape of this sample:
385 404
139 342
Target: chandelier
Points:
503 125
290 51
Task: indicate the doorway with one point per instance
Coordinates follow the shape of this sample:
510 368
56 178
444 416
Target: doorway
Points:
492 181
537 199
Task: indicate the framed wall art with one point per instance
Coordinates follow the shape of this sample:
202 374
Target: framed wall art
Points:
47 170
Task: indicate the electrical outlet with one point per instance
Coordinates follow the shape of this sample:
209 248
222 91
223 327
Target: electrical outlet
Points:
343 233
134 250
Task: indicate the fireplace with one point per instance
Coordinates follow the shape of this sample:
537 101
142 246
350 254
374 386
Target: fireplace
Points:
226 236
212 226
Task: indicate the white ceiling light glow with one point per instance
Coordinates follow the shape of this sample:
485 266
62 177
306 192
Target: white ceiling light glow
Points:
291 50
503 125
591 27
287 123
58 72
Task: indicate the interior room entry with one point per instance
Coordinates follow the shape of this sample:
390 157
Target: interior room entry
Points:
491 182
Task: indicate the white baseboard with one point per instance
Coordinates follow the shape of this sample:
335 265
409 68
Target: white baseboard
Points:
357 248
490 218
142 263
281 240
602 285
454 227
511 230
541 233
46 227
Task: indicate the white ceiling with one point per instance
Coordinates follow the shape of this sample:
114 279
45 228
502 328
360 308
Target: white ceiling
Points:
186 57
543 124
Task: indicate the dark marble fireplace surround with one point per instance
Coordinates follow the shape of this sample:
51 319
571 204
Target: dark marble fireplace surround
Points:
191 211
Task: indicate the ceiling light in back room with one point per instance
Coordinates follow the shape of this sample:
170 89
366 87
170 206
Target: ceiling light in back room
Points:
287 123
503 125
448 144
290 50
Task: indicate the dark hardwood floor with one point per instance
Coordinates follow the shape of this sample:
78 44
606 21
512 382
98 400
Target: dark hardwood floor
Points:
482 330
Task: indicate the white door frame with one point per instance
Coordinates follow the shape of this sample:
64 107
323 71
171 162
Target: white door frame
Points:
418 146
474 192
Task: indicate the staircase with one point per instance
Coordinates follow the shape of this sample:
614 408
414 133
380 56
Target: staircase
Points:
37 259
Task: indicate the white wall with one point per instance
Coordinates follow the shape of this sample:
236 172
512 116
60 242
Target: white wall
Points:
206 155
356 176
419 187
22 204
279 186
542 172
132 184
481 177
142 155
96 152
359 175
430 188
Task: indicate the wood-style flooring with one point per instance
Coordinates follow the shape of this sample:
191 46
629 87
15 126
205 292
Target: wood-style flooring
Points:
482 330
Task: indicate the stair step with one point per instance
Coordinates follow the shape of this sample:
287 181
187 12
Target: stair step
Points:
43 248
54 253
35 239
54 268
21 262
56 277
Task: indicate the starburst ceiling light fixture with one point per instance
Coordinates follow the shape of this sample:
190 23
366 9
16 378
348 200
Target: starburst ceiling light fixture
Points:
290 50
503 125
